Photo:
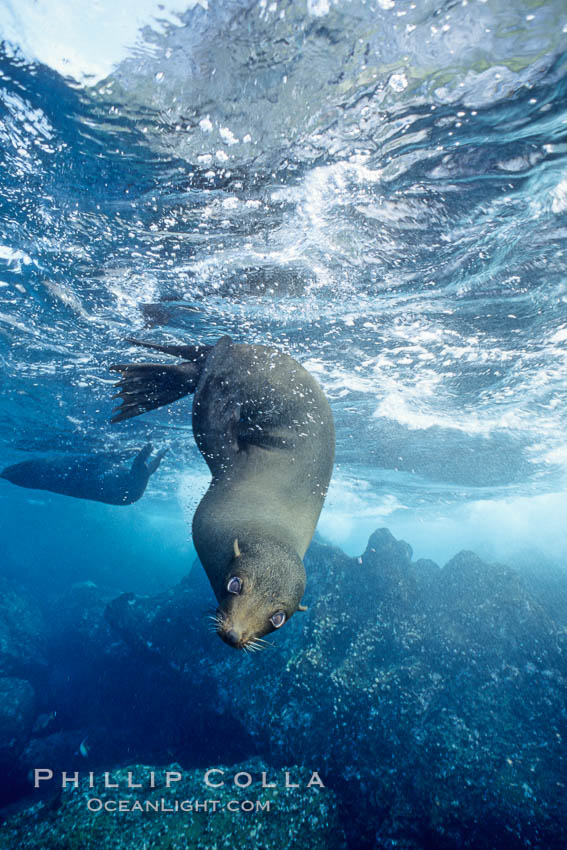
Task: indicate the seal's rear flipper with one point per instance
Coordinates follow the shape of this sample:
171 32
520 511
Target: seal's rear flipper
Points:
195 353
153 464
144 454
146 386
142 459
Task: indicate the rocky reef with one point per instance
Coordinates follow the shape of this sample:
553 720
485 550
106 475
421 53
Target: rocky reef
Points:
164 812
22 659
432 701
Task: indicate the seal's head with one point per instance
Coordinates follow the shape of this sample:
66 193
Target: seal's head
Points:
263 588
17 472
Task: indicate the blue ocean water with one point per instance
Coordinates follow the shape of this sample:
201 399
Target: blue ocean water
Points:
377 188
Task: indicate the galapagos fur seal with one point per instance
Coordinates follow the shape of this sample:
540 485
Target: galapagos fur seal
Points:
102 477
265 429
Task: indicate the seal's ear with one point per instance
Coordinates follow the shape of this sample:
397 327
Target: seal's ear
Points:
236 548
302 607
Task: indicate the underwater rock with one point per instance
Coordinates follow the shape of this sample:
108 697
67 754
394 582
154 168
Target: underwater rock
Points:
134 700
433 700
76 620
17 711
303 818
546 580
439 695
435 695
169 626
22 632
60 750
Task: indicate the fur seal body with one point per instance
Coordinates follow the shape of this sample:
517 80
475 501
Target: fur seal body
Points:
99 477
265 429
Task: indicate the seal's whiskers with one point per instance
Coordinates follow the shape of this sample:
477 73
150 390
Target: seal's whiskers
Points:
255 645
216 621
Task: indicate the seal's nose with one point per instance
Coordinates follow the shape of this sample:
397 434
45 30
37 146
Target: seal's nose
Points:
232 637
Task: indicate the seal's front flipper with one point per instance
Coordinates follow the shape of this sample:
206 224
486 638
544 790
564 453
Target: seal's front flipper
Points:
147 386
195 353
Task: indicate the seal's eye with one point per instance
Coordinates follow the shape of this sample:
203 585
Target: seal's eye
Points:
234 585
277 619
